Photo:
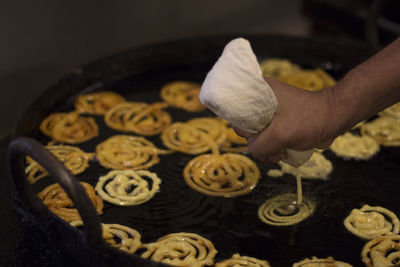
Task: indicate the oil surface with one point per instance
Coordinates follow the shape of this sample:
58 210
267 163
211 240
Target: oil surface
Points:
232 223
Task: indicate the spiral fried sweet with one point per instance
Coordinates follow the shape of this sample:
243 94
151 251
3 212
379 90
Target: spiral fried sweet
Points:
370 222
119 236
76 160
182 94
138 117
69 127
382 251
225 175
282 210
385 131
58 202
124 152
98 102
47 125
277 67
237 261
311 80
128 187
316 262
150 121
195 136
349 145
181 249
233 142
114 117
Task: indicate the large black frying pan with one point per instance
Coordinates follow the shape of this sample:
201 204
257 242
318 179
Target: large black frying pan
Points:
230 223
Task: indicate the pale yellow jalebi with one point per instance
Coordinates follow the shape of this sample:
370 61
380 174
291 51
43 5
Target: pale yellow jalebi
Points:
195 136
283 210
382 251
123 152
69 127
349 145
182 94
277 67
128 187
119 236
238 261
58 202
226 175
181 249
317 262
98 102
385 131
138 117
317 167
76 160
370 222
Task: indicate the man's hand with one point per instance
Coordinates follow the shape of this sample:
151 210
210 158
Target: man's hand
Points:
303 121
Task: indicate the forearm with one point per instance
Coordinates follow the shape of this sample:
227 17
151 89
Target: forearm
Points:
367 89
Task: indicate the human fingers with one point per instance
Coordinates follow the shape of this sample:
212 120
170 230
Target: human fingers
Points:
275 158
269 143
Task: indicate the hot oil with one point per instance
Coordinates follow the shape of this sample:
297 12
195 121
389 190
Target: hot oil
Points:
232 223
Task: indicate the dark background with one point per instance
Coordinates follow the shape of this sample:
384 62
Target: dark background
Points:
43 40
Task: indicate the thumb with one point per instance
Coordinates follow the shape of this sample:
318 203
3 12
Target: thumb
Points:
268 142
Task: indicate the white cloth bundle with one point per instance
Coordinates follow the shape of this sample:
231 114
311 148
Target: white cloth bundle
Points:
235 90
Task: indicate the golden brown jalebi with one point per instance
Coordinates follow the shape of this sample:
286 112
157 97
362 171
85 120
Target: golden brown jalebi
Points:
181 249
382 251
237 261
195 136
128 187
277 67
114 117
312 80
123 152
76 160
69 127
98 102
138 117
316 262
283 210
211 126
225 175
119 236
50 121
58 202
385 131
349 145
182 94
233 143
370 222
